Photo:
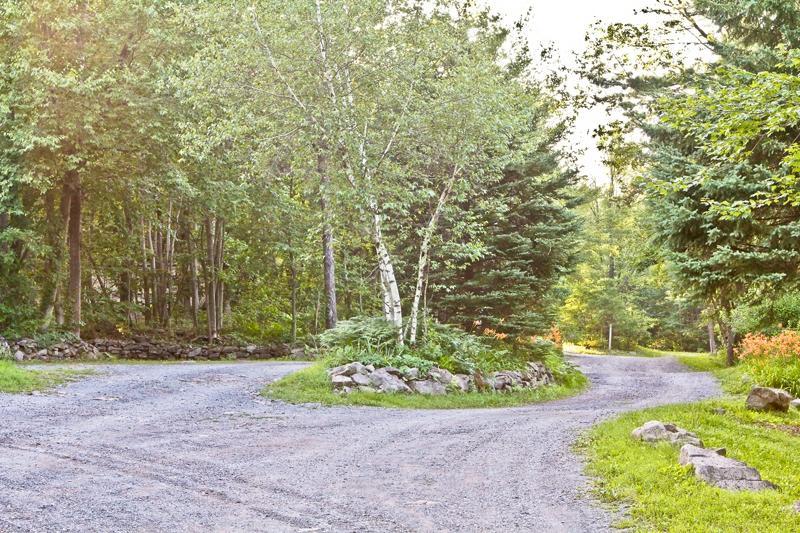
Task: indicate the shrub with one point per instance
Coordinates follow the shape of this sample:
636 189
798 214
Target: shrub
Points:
773 361
786 344
374 341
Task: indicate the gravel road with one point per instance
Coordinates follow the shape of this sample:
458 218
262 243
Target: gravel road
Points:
192 447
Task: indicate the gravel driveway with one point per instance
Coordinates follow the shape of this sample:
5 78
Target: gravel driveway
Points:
192 447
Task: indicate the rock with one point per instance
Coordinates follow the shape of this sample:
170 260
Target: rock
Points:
411 374
795 403
767 399
19 356
719 411
394 371
428 386
796 507
500 381
341 380
197 352
655 431
361 379
348 370
385 381
440 375
461 382
721 471
367 389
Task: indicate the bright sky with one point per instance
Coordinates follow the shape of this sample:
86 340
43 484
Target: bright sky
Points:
564 23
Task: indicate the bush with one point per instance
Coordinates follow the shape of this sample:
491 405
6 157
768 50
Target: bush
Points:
773 361
784 345
374 341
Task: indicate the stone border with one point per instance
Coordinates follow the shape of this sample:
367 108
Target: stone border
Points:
144 350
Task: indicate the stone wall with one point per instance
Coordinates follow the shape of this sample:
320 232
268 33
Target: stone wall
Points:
142 349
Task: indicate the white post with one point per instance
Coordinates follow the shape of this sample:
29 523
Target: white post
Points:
610 336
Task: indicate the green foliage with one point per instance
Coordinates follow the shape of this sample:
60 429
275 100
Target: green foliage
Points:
660 495
374 341
781 373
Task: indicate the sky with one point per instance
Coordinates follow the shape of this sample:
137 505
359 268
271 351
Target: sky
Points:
564 23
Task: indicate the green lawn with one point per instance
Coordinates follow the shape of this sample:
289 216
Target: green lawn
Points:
311 385
16 379
660 495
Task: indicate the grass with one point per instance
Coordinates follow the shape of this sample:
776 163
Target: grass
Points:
312 385
16 379
660 495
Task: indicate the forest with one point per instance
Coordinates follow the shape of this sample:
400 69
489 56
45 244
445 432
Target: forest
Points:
262 171
335 265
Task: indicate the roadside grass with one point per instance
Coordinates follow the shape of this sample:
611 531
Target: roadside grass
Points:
312 385
16 379
660 495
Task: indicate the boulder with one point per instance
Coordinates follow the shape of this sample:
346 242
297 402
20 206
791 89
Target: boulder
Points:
411 373
500 381
795 403
655 431
461 382
361 379
19 356
196 352
720 471
348 370
428 386
385 381
393 371
440 375
341 380
767 399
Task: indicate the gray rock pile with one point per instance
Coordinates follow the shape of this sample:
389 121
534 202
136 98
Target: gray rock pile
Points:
767 399
143 349
709 465
359 377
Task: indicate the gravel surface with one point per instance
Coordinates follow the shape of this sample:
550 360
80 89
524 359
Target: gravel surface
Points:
192 447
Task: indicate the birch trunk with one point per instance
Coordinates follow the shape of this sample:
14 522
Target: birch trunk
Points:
392 307
423 256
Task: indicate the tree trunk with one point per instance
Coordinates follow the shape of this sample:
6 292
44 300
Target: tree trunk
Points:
293 288
610 336
329 262
730 338
423 255
195 289
211 286
219 242
393 310
74 290
712 341
57 222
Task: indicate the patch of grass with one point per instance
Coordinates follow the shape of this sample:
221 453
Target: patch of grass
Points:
16 379
661 495
652 352
312 385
